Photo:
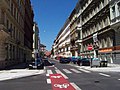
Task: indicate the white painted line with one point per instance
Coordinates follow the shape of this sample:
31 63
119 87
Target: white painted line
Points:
47 75
67 71
76 71
56 68
75 86
49 72
119 79
48 81
59 72
104 74
86 71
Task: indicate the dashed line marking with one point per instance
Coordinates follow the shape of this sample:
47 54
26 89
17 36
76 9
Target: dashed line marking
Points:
75 86
67 71
104 74
119 79
76 71
48 81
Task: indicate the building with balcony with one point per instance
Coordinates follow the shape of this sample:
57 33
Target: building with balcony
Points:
61 45
96 29
75 30
12 32
115 25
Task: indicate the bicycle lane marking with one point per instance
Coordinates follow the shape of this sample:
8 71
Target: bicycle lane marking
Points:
59 82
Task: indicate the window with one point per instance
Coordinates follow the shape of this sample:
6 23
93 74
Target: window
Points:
113 11
7 24
119 8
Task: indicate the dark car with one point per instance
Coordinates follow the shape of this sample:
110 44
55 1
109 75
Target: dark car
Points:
83 62
64 60
74 59
38 64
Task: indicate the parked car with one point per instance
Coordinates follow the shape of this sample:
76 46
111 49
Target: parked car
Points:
83 62
64 60
38 64
74 59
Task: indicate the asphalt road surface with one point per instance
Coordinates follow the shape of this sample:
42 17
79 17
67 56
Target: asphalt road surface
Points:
79 78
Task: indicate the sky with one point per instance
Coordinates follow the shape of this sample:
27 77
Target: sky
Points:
50 16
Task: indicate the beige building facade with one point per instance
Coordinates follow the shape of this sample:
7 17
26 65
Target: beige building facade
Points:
12 49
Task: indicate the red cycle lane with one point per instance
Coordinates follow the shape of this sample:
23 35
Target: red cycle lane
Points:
60 83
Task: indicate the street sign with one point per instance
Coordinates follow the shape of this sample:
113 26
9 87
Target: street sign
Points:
90 47
95 39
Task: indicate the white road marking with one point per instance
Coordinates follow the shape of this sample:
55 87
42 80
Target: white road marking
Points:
76 71
49 72
67 71
48 81
75 86
59 72
119 79
104 74
56 68
47 75
86 71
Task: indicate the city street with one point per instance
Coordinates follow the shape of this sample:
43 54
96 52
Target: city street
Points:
77 77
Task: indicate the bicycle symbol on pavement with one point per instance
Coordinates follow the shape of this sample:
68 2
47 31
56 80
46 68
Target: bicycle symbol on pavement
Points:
65 85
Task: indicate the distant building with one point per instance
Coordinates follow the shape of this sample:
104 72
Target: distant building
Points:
36 40
42 48
61 46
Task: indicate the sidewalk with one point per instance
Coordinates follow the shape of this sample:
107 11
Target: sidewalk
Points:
109 68
18 71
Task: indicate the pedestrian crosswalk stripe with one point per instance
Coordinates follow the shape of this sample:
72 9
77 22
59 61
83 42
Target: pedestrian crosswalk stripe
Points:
104 74
59 72
86 71
75 86
76 71
49 72
67 71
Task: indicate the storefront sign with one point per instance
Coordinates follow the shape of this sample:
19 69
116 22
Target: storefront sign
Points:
105 50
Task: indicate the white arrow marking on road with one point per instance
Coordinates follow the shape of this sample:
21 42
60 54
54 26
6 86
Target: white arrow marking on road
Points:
104 74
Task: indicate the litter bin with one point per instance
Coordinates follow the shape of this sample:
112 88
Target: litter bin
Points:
103 63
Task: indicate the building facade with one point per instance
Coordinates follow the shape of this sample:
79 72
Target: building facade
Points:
94 30
12 49
115 25
61 45
28 29
75 30
35 40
